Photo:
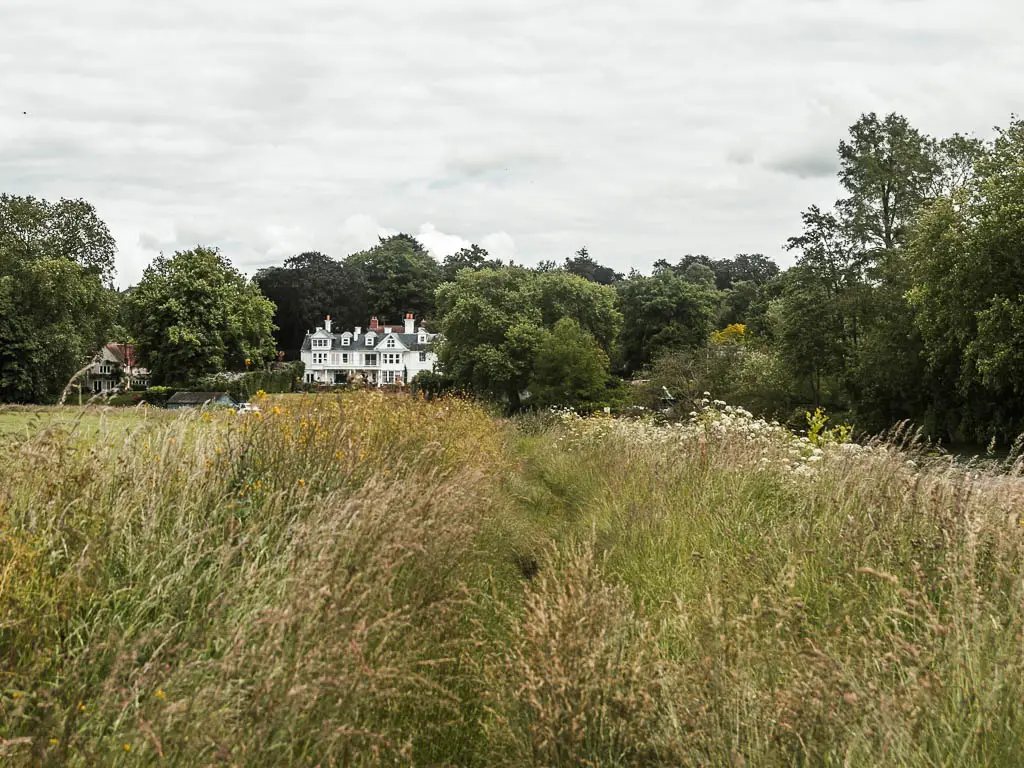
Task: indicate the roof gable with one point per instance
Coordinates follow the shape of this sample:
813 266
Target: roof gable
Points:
392 341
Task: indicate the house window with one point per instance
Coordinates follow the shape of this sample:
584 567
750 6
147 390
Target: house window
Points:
309 378
423 357
319 358
391 344
391 358
371 360
391 377
344 358
370 338
345 341
321 343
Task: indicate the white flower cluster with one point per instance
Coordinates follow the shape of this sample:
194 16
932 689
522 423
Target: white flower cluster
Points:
714 421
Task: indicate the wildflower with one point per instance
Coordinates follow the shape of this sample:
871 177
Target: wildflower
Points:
16 695
160 694
53 741
302 483
127 747
81 707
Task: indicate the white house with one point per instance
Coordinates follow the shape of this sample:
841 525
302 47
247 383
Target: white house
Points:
114 368
385 354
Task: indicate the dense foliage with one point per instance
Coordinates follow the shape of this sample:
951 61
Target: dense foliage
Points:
56 306
904 303
193 314
496 322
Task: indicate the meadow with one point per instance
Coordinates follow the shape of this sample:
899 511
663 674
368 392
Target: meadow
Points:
364 579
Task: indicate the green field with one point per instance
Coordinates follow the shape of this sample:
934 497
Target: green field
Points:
91 423
371 580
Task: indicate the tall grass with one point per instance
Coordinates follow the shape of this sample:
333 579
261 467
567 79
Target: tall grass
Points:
375 580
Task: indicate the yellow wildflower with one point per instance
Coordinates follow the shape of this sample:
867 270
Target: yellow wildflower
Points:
160 694
53 741
127 747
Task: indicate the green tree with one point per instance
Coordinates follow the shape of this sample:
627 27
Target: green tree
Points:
194 314
55 311
570 368
660 312
583 265
308 287
473 257
967 257
31 229
888 167
400 277
808 331
493 322
54 316
700 274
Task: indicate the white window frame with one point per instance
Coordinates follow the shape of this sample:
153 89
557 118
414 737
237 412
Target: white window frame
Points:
319 358
423 357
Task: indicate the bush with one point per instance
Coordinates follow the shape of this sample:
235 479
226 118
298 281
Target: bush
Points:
243 386
159 396
125 399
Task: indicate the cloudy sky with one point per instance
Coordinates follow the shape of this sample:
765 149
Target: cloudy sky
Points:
643 129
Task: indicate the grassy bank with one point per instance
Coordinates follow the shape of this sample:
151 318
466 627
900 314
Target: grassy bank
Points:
367 580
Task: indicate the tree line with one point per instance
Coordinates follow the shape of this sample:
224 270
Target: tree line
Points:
904 303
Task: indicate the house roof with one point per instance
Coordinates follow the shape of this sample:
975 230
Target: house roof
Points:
196 398
121 354
410 340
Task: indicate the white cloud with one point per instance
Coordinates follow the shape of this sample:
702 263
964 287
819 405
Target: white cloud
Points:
642 131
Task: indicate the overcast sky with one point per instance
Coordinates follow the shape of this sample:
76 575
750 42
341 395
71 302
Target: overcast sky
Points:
643 130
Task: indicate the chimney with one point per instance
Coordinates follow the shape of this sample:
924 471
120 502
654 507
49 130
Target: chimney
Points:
359 330
410 324
327 324
374 325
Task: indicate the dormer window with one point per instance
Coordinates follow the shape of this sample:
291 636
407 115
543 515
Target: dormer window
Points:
423 338
371 338
345 341
321 343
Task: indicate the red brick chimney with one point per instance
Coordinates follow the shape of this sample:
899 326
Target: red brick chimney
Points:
374 324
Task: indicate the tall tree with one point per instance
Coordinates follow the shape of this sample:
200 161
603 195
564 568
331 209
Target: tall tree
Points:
473 257
583 265
967 257
400 276
194 314
888 167
308 287
494 321
31 228
55 309
570 368
660 312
